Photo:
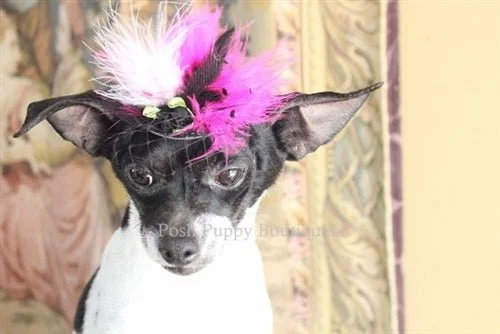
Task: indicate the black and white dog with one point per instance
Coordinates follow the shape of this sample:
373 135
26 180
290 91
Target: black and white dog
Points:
168 269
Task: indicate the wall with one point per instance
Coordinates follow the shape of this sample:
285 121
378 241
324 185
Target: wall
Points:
450 69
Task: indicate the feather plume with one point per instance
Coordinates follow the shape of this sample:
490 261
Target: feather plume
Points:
193 57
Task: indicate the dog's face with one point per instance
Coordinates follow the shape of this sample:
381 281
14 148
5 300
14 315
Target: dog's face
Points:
185 205
189 209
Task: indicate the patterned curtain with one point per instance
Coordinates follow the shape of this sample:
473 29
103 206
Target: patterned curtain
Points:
329 230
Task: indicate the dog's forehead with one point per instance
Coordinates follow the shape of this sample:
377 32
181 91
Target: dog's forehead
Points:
172 154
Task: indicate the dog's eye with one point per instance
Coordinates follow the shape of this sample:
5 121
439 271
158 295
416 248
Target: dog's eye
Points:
141 176
230 177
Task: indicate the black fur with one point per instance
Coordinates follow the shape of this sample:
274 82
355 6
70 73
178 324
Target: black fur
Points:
80 310
126 217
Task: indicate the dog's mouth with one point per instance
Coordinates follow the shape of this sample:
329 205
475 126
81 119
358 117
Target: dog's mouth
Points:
188 269
184 271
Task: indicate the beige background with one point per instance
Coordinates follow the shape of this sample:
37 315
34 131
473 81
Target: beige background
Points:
450 69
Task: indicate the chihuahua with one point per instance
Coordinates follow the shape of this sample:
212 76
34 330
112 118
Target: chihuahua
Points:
166 269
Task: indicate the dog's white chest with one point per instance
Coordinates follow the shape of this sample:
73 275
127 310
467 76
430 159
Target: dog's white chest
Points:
133 294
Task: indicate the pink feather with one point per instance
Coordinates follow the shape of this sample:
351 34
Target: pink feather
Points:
252 86
203 29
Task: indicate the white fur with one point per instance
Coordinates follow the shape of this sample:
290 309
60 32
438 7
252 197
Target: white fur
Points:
133 294
140 60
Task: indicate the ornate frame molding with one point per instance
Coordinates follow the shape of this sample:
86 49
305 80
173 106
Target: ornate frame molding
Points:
394 164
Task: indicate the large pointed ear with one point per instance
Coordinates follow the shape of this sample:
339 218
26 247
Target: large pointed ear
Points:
83 119
311 120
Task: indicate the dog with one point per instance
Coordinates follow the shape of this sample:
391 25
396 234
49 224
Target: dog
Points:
170 267
190 280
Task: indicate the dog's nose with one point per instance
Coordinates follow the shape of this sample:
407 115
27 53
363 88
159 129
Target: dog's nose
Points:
179 251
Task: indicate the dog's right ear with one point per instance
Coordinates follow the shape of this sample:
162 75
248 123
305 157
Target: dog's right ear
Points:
312 120
83 119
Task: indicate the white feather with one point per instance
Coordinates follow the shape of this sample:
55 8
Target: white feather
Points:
140 60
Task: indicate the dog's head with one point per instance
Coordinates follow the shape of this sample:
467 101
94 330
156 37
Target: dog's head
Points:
184 204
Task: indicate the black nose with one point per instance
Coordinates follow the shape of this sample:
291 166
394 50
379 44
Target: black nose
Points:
179 251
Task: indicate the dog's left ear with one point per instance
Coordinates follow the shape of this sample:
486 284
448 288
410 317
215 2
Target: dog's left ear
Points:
311 120
83 119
